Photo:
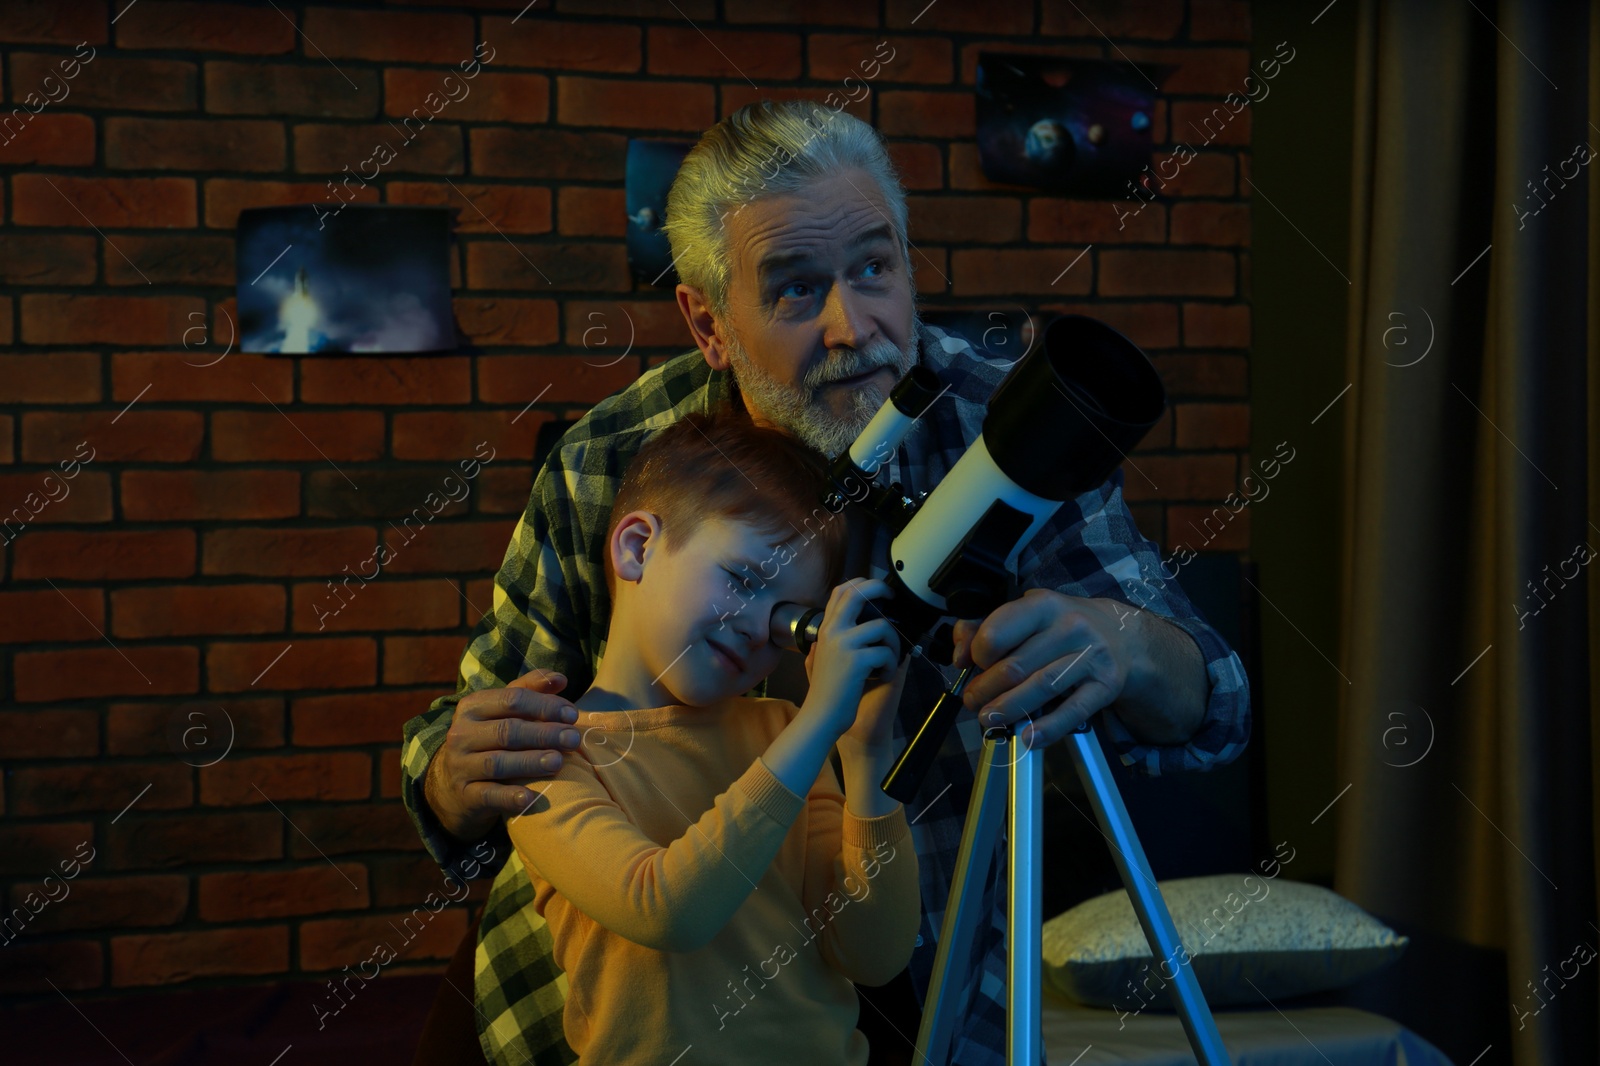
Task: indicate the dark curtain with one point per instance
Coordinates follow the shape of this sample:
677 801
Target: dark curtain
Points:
1472 477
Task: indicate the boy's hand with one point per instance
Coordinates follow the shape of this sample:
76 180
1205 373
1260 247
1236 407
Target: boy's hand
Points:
874 725
847 651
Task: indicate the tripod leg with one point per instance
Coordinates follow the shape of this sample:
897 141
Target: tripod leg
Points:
1159 929
1024 912
962 913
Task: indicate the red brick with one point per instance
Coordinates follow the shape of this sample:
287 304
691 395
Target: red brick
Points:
1113 18
392 37
48 22
47 496
449 434
1166 273
335 663
389 788
126 320
921 165
203 373
964 219
712 53
490 320
1179 477
523 98
605 330
1052 221
304 436
59 377
8 433
62 200
558 155
1219 20
1208 222
196 731
1192 173
419 660
961 18
63 140
110 554
356 718
548 379
874 58
226 197
580 266
1010 271
434 148
456 547
636 105
419 934
1214 528
236 782
65 675
796 12
914 113
1204 375
6 316
1216 325
161 259
117 83
431 380
351 827
42 734
930 270
319 91
170 958
1210 123
197 610
188 840
379 605
738 94
69 965
31 850
35 617
245 895
110 903
99 786
591 212
136 436
1213 425
488 209
1149 325
278 552
207 27
563 45
178 495
194 144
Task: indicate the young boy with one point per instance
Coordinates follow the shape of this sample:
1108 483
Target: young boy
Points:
706 883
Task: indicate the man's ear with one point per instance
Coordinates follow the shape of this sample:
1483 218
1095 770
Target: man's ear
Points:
636 537
703 326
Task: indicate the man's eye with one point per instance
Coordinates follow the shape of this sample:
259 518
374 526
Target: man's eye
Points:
878 265
784 293
740 578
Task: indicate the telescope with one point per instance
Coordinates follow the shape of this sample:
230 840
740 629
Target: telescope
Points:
1056 427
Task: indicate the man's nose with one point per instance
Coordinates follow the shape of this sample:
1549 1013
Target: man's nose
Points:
847 322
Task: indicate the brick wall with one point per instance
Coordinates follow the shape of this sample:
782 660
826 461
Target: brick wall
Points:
185 512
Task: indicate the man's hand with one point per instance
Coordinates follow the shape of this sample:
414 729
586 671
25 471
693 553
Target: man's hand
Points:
1059 659
499 739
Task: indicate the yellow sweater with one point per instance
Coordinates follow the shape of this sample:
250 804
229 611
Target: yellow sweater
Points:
696 901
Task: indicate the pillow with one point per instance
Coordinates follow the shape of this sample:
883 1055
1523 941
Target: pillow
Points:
1286 938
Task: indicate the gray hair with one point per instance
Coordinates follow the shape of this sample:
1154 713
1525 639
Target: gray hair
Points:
766 148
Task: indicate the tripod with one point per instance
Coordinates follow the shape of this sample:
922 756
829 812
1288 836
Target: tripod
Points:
1021 794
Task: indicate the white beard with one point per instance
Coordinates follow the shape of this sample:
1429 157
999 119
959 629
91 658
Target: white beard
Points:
800 410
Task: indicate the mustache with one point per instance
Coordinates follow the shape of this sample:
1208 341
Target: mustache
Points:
851 364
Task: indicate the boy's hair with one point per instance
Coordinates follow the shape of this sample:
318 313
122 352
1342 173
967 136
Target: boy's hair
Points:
723 465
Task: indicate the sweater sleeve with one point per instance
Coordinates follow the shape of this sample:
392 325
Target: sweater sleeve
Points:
672 898
861 887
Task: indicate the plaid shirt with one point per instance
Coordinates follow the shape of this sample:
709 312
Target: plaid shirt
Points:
551 612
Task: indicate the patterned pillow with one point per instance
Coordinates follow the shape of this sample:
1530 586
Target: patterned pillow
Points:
1249 938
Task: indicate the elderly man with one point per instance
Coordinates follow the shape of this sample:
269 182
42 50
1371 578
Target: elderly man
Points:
788 229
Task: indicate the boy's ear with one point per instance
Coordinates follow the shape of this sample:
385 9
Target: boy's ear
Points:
636 537
703 326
